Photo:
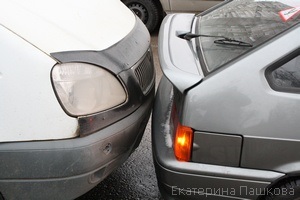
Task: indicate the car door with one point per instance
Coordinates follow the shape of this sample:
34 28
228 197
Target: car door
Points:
192 5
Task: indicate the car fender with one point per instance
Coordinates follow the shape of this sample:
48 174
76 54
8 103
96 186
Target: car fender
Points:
29 107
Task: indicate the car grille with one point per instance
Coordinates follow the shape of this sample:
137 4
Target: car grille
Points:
145 73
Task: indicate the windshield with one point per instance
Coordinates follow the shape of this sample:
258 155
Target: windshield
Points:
252 22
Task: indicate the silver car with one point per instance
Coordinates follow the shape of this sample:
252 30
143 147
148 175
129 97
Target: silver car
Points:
226 115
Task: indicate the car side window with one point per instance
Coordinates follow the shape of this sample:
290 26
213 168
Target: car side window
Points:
286 77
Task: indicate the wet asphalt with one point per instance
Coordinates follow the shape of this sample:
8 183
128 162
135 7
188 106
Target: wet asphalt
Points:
135 179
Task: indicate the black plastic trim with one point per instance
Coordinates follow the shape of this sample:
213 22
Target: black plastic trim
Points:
119 57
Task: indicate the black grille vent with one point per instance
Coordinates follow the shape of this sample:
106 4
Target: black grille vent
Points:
144 72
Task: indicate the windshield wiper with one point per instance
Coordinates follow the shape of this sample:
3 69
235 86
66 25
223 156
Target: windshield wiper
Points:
233 42
223 40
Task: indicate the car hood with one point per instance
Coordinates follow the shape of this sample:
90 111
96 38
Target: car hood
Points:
85 25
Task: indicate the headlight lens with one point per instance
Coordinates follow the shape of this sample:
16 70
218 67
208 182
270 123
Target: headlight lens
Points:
85 89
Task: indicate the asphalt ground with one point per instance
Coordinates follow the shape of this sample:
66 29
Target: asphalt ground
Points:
136 178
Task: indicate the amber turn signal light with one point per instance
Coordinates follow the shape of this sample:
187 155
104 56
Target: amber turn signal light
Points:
183 142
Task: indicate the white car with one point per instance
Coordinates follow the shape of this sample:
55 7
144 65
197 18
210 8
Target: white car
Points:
77 86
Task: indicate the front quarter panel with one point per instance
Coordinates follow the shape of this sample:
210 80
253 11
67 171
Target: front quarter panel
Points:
28 106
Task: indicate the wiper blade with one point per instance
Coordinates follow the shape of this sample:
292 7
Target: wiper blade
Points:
233 42
189 36
223 40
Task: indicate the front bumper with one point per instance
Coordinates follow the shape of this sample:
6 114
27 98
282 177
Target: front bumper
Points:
66 169
187 180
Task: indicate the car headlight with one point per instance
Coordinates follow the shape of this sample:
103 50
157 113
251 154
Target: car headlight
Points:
85 89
